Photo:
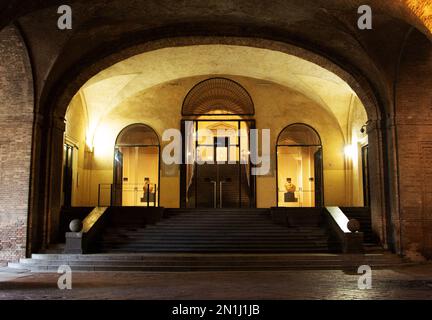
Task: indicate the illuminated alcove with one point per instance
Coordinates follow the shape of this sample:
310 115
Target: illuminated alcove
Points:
299 167
136 167
151 87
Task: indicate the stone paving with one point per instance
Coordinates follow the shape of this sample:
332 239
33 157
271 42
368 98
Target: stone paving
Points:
409 282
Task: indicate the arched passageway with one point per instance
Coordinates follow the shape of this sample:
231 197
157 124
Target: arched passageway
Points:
120 96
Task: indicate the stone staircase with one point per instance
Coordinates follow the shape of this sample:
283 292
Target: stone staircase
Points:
209 240
214 230
188 262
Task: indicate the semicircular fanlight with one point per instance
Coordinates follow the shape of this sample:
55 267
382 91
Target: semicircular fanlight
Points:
299 135
137 134
218 96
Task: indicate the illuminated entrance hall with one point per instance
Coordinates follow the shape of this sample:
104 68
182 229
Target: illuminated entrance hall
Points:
217 169
231 105
262 161
221 175
221 135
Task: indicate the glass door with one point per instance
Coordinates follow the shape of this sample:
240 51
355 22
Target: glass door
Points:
221 171
299 167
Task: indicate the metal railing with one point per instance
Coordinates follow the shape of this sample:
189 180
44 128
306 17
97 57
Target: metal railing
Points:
300 198
128 195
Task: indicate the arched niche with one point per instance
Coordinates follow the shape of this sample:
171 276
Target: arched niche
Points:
299 167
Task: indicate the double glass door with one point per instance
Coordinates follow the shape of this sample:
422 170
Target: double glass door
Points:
219 181
219 176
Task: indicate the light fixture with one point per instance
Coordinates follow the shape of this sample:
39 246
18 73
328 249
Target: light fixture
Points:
364 127
349 151
88 145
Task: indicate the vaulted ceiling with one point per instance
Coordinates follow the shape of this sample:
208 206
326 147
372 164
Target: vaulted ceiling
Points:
415 12
111 87
327 27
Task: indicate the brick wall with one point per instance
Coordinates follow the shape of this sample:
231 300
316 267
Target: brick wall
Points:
414 133
16 121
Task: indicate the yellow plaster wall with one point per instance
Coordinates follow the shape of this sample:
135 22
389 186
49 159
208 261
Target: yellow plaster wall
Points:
354 183
75 134
276 107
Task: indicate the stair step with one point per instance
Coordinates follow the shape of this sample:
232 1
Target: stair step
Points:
206 231
214 230
185 237
217 231
219 248
198 261
225 257
188 268
155 244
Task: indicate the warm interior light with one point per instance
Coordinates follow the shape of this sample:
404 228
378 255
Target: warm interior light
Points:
89 144
350 151
103 141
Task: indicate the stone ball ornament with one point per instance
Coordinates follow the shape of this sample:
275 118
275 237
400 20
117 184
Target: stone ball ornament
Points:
76 225
353 225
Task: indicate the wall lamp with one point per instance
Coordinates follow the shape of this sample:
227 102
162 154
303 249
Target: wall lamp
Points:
363 128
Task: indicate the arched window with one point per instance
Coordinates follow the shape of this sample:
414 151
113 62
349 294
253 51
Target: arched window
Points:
137 134
218 96
136 167
299 167
298 135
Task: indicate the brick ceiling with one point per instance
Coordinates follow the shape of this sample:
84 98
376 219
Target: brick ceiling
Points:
327 27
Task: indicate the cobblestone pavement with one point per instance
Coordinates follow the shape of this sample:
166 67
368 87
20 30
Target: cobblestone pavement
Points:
411 282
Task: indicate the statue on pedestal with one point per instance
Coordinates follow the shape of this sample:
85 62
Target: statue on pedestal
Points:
148 186
149 192
290 189
289 186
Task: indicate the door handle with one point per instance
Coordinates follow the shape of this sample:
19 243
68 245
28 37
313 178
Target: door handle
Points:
214 193
220 192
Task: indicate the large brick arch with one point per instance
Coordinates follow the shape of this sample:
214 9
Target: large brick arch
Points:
65 66
54 112
414 12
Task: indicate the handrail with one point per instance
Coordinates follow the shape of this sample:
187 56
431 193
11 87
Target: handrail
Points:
214 193
111 190
246 167
351 242
189 183
80 242
220 193
92 218
340 218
